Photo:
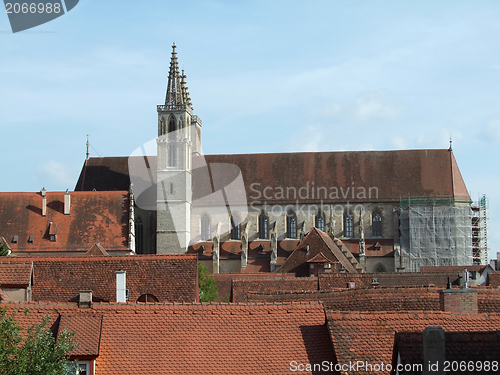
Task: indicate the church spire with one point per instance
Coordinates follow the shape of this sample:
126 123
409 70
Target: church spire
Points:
177 94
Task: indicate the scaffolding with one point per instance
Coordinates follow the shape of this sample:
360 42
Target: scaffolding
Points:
480 248
435 233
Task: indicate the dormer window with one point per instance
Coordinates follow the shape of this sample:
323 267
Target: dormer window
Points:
31 239
53 227
15 239
52 238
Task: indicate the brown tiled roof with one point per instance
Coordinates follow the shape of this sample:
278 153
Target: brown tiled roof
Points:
171 278
15 274
466 347
364 336
318 242
199 339
96 250
3 297
476 268
224 281
94 216
242 287
417 173
336 281
494 279
87 328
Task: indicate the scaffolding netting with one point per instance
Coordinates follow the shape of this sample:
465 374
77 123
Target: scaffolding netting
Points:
436 236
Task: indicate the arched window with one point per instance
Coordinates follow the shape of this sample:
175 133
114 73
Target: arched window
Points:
235 227
380 268
376 224
263 226
205 228
291 224
148 298
348 224
139 236
171 127
319 220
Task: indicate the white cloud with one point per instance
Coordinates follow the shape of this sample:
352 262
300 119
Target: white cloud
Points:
374 105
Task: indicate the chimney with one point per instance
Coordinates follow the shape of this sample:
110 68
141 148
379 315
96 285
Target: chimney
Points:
121 286
44 202
85 299
434 351
67 203
458 300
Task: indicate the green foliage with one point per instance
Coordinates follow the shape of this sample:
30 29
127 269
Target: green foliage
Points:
4 250
34 351
206 284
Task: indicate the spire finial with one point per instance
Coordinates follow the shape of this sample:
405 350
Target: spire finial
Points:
450 149
88 144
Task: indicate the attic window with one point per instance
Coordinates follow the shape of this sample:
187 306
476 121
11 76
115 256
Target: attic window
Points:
53 227
15 239
52 238
31 239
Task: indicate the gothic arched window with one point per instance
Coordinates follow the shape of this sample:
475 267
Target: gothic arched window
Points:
171 127
139 236
205 228
319 220
235 227
263 226
376 224
291 224
172 155
348 224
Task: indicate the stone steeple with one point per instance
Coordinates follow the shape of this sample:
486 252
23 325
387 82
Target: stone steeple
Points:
177 92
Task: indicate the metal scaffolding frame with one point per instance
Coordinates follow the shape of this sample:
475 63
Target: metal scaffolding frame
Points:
480 246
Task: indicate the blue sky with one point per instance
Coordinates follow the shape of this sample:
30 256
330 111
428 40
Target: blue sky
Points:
264 76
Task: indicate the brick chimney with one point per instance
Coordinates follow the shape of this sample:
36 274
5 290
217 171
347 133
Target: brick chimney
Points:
44 202
458 300
434 351
67 203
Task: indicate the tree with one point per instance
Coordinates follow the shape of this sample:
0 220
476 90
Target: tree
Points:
35 351
4 250
206 284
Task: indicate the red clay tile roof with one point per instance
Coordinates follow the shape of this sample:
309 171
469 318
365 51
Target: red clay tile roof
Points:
171 278
318 258
317 241
242 287
364 336
199 339
96 250
3 297
494 279
94 216
87 328
460 347
15 274
476 268
418 173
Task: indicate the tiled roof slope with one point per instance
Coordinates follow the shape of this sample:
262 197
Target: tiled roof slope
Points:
364 336
474 347
494 279
171 278
317 242
242 287
418 173
335 281
202 339
378 299
87 328
94 216
15 274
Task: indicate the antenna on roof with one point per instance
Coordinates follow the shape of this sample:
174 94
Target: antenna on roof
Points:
450 149
88 144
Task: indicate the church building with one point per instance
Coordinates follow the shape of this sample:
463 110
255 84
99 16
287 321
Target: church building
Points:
387 210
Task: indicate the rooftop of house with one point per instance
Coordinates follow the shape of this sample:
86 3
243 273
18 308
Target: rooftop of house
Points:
192 338
170 278
369 337
93 216
314 243
415 173
16 274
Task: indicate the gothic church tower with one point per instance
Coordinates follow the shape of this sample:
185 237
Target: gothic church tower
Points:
179 138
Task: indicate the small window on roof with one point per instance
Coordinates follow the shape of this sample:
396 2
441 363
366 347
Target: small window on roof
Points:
31 239
15 239
52 238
